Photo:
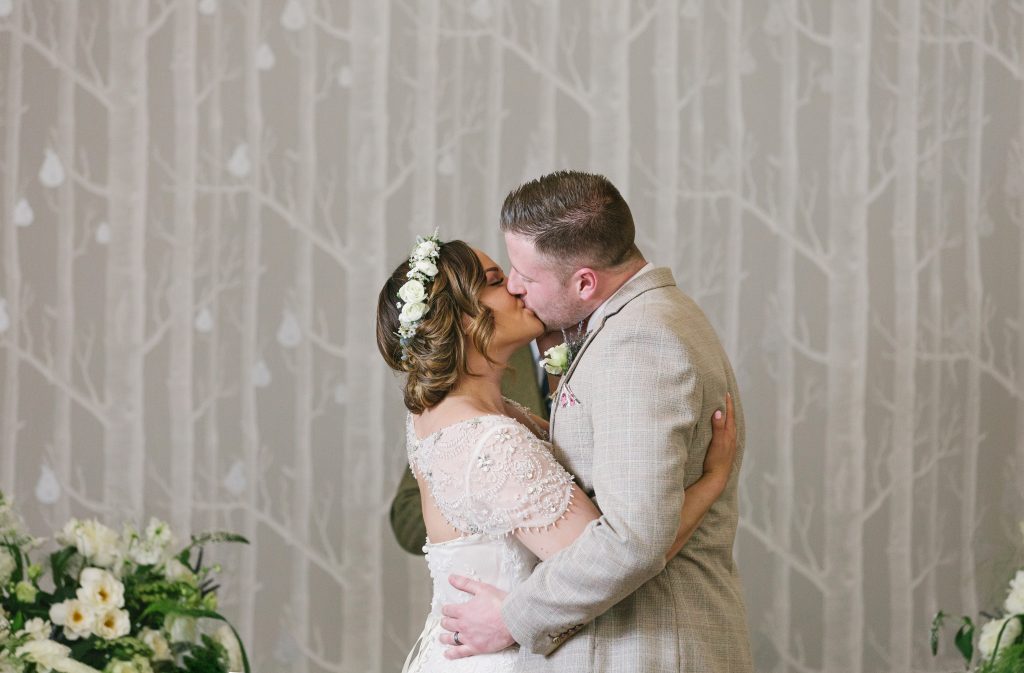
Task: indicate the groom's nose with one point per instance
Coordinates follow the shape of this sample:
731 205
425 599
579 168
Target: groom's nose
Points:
515 285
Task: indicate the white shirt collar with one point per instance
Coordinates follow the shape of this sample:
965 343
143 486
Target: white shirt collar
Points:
597 315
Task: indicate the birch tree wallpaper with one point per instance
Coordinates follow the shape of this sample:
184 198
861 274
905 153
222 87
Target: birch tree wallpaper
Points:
202 198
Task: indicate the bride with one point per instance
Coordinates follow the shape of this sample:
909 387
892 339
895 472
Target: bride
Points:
495 501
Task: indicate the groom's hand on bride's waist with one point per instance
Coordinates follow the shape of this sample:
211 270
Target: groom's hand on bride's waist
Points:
478 622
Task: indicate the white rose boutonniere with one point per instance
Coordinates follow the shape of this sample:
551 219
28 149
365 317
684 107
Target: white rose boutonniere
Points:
556 360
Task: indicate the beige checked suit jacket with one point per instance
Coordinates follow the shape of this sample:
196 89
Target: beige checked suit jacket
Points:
631 420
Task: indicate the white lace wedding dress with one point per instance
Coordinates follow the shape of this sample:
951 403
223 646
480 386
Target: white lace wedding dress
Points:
489 476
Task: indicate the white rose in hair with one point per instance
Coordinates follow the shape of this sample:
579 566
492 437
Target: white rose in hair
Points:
990 634
413 312
412 292
1015 600
426 267
426 249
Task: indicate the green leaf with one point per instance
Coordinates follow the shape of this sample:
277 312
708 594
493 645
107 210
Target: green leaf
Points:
936 625
170 608
219 536
964 640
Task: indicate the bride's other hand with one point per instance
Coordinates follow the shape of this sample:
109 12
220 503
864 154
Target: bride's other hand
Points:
718 462
721 453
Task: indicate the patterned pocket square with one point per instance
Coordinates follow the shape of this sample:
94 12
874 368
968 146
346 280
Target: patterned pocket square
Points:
567 397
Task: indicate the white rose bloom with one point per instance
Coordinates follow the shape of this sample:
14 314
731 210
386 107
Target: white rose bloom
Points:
181 629
990 634
155 641
122 666
7 667
69 665
45 653
412 292
226 637
112 624
7 566
426 249
93 540
76 617
37 629
1015 599
426 267
176 571
100 589
413 312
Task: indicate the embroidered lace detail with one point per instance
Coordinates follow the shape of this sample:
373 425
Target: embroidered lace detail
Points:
491 475
528 415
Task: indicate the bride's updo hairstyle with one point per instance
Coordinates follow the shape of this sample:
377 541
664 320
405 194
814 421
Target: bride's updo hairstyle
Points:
435 356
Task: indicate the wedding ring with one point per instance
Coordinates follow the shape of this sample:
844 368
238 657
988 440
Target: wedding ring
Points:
455 638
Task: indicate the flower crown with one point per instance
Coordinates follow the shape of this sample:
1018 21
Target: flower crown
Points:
422 269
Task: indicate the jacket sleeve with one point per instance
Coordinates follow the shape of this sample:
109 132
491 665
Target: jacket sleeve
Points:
644 409
407 515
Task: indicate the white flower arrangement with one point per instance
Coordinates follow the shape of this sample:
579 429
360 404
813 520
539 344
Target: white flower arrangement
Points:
413 295
1001 638
119 603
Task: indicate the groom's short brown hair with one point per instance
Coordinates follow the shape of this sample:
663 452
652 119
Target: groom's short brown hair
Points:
572 218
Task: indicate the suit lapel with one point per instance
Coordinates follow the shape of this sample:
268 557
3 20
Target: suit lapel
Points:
652 280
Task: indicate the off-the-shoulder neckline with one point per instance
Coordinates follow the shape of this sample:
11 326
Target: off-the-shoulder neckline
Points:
420 440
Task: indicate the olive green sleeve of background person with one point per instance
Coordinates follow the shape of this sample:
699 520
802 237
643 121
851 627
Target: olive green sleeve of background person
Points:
519 384
407 515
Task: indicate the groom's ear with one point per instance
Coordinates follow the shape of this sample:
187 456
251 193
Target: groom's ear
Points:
584 282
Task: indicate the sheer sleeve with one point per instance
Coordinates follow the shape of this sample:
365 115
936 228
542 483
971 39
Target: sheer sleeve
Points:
513 481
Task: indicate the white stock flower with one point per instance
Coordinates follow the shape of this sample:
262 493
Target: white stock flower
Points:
7 566
1015 599
112 624
226 637
75 616
44 653
412 292
159 533
990 634
180 629
155 641
100 589
556 359
176 571
37 629
93 540
413 312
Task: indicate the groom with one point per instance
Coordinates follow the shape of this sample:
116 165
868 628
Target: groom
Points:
630 421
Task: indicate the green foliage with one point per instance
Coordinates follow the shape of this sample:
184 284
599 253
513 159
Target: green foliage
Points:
210 657
1010 660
